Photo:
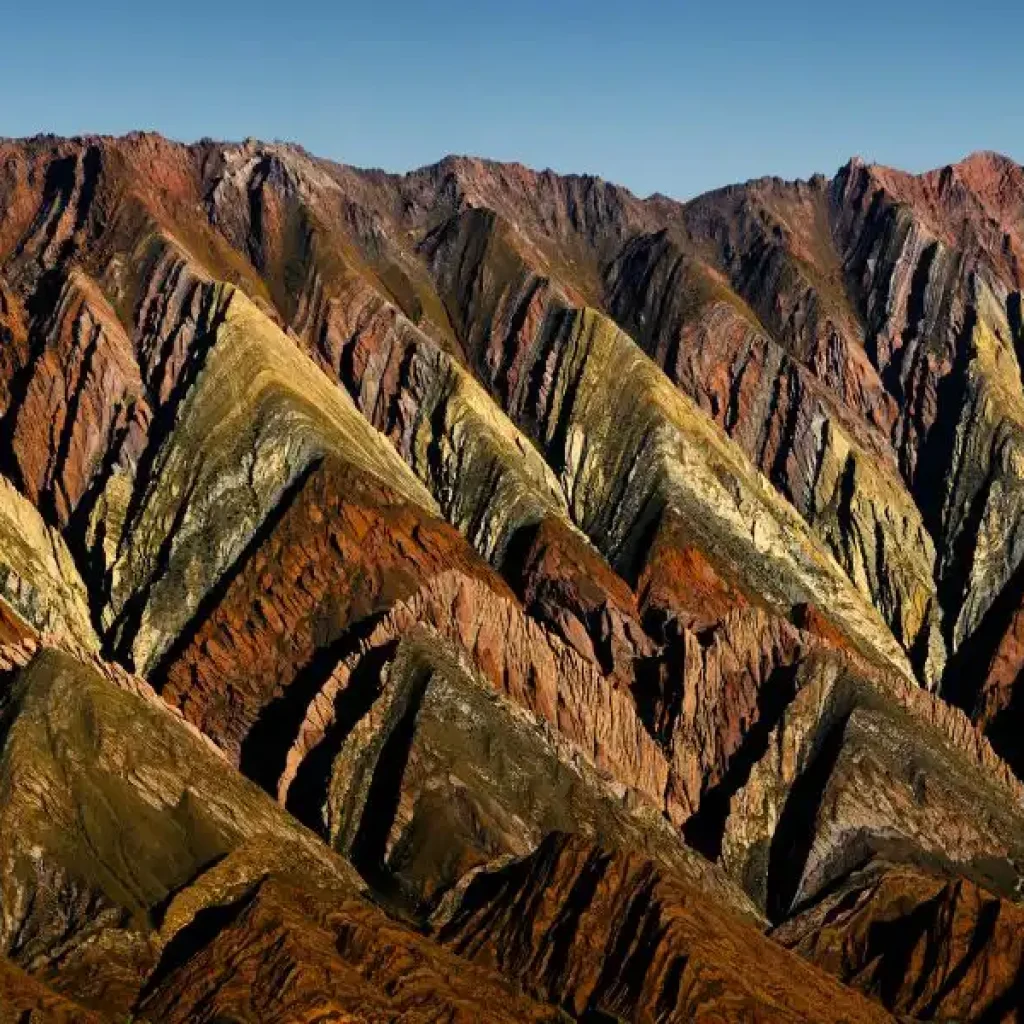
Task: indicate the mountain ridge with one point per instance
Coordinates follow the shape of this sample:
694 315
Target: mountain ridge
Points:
974 159
602 591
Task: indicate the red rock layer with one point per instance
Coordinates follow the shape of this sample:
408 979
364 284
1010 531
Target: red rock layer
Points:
678 583
771 398
566 585
83 398
342 570
521 660
340 550
974 206
14 350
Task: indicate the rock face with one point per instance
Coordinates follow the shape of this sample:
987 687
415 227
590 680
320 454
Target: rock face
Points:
110 806
481 594
827 458
925 945
24 999
283 954
607 933
814 807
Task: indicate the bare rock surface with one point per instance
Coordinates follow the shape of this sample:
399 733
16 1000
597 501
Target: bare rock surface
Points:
483 594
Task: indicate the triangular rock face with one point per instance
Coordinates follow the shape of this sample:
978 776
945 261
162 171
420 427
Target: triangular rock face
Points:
481 594
930 946
112 809
613 933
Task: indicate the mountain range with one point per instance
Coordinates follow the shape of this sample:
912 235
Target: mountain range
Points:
482 594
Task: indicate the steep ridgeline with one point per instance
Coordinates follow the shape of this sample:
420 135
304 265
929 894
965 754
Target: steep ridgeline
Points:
481 594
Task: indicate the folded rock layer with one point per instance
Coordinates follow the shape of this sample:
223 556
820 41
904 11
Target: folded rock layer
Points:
483 594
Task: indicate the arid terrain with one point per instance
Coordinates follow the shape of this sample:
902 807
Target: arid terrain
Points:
484 595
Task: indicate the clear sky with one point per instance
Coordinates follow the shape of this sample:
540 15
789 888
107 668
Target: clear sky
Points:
676 97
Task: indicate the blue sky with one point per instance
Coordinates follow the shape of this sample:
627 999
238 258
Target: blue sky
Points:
671 97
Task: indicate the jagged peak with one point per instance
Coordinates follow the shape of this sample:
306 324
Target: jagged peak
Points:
468 167
988 156
980 161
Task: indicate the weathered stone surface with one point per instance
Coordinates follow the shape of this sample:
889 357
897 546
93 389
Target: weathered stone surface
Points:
442 775
109 804
939 311
607 933
340 549
488 478
257 416
664 455
622 443
40 585
990 669
837 470
924 945
537 671
84 397
566 585
861 767
347 569
285 954
725 482
24 1000
14 352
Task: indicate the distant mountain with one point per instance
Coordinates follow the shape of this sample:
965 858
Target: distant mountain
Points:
482 594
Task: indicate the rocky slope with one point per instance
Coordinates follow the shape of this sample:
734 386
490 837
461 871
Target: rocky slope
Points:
481 594
927 945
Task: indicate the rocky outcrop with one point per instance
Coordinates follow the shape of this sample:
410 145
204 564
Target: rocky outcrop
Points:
990 669
268 659
610 935
171 886
938 311
926 946
83 397
621 466
40 587
391 369
284 954
441 775
24 1000
567 586
836 469
773 241
257 416
129 807
664 455
538 672
861 768
488 479
336 553
359 304
14 335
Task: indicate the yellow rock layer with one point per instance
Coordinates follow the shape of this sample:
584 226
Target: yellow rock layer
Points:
38 577
632 438
259 413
